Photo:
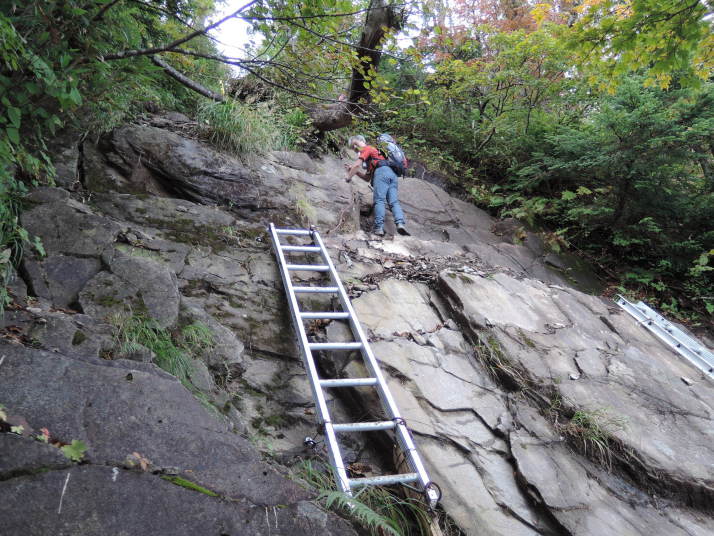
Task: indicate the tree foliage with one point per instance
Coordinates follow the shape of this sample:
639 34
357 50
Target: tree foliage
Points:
667 39
53 72
592 119
626 186
602 159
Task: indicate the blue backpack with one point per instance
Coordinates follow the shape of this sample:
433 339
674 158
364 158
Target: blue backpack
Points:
393 154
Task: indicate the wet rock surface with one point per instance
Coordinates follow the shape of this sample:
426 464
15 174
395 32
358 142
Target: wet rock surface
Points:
538 409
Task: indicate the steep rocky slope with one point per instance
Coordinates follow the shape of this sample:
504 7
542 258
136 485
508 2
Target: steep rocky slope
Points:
539 409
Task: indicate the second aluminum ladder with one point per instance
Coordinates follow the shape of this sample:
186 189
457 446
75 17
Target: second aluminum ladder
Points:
395 422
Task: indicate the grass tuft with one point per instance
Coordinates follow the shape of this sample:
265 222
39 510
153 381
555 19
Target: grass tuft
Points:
172 354
239 128
593 432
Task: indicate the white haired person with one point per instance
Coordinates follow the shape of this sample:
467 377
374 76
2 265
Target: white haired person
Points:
384 183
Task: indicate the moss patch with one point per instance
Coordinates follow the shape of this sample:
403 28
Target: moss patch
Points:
527 340
177 480
79 338
108 301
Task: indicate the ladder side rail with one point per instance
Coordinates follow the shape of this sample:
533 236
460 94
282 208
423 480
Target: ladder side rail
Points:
402 432
303 343
667 338
682 337
323 414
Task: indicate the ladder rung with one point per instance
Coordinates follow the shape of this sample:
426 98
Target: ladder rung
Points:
311 249
326 314
298 290
349 382
335 345
364 426
309 267
385 480
296 232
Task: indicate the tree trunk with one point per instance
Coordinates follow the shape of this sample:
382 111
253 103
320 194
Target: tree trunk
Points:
337 115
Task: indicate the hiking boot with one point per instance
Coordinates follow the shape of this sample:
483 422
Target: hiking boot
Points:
402 229
379 231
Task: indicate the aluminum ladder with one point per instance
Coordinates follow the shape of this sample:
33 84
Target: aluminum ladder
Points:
395 422
688 347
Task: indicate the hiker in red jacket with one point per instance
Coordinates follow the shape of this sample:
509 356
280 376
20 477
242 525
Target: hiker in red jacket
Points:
384 183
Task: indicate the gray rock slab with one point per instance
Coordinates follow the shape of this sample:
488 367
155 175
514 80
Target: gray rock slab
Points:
226 348
26 456
119 410
600 505
65 230
47 194
73 335
152 283
397 307
173 216
17 288
106 295
200 377
89 500
633 382
466 497
173 254
59 278
258 316
530 303
195 170
295 160
99 176
199 173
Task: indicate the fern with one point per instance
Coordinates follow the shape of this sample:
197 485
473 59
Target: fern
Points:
365 515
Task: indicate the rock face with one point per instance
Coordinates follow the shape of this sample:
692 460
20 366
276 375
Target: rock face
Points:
538 409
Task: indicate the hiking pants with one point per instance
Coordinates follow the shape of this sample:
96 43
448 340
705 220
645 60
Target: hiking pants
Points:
385 189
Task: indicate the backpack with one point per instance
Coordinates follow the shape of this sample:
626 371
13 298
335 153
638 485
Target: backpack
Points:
393 154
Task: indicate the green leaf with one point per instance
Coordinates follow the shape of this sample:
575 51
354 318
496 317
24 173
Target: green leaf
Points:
13 135
14 114
567 195
39 247
75 451
75 97
17 429
32 88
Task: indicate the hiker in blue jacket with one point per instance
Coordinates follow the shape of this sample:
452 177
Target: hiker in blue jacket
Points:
384 183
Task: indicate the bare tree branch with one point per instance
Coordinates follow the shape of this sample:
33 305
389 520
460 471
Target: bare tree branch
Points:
184 39
320 16
186 81
102 11
343 43
258 63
